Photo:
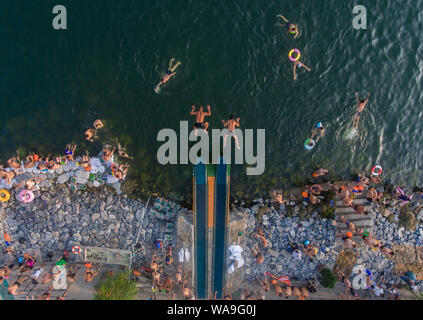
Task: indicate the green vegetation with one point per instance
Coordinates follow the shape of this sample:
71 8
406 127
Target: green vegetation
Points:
119 287
328 279
407 219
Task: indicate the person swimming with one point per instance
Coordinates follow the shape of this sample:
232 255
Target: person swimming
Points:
170 72
361 104
318 129
290 27
299 64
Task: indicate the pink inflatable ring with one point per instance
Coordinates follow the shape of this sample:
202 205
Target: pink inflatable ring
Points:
26 196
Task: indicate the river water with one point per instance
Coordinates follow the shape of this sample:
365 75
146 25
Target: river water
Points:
54 84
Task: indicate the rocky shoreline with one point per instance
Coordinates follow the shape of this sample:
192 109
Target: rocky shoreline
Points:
61 217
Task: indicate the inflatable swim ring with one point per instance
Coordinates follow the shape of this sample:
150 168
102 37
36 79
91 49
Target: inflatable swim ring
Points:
4 195
26 196
309 144
379 168
298 55
76 249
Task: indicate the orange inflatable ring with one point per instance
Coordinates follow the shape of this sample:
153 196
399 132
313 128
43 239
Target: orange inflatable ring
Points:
76 249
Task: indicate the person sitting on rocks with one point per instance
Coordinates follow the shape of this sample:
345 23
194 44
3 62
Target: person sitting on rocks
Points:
362 180
154 265
278 290
156 277
169 258
186 290
349 224
259 257
29 161
261 295
348 241
343 192
260 235
227 293
7 176
31 183
371 195
121 172
387 251
108 152
247 295
29 262
314 199
288 292
316 189
179 274
304 293
309 249
14 162
279 197
264 284
70 152
348 201
394 294
54 164
71 276
89 273
13 289
296 254
375 179
296 292
45 295
168 285
359 209
371 242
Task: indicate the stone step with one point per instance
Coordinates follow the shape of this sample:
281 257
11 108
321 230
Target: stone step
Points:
349 210
358 224
353 217
362 201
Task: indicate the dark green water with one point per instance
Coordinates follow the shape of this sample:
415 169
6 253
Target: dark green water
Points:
54 84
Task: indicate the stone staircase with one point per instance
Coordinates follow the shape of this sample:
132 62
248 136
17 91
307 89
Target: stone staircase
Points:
360 221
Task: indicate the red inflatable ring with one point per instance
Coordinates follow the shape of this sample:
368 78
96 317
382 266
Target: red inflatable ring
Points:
379 168
76 249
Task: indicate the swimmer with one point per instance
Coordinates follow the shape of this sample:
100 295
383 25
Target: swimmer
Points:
121 151
290 27
319 172
199 119
90 134
170 72
299 64
318 129
231 124
98 124
361 104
